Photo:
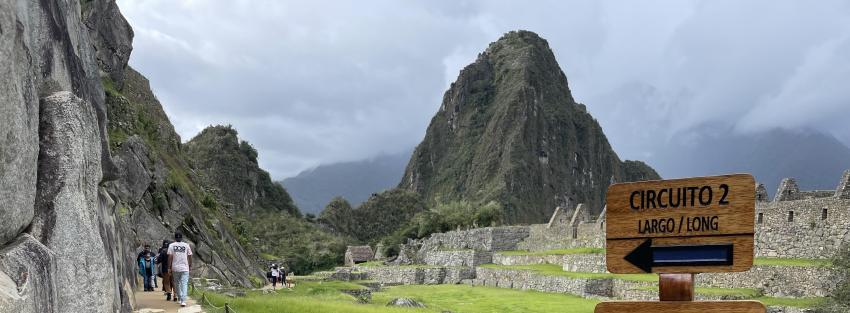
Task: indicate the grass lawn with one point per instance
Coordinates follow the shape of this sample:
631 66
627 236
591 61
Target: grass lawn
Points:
464 298
320 297
555 252
792 262
269 257
799 303
314 297
557 270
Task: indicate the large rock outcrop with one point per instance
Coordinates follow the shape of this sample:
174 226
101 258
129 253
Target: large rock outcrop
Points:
157 192
67 218
230 166
509 131
54 157
258 206
71 215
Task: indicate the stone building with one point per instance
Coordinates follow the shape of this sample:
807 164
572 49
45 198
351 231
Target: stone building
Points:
358 254
803 224
794 224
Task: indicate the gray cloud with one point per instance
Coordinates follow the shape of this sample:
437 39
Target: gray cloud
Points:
319 82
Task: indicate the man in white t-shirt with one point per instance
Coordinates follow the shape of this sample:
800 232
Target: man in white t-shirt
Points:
180 258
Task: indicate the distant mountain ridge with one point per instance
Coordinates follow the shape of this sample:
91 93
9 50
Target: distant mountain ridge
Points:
815 159
355 181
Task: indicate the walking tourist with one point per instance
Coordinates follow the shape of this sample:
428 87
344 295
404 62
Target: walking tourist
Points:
148 270
274 272
180 261
162 260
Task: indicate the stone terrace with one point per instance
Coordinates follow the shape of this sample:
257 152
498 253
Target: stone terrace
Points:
564 255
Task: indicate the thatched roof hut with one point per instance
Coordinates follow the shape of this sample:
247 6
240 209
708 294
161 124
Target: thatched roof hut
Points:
358 254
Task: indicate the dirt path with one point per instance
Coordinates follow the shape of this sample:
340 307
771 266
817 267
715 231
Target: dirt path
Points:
154 302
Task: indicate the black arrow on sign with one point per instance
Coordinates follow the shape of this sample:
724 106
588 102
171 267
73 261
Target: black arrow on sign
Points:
646 256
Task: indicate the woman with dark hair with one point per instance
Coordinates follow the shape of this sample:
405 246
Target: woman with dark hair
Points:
162 260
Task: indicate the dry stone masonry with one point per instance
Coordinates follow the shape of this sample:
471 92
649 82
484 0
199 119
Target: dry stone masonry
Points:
795 224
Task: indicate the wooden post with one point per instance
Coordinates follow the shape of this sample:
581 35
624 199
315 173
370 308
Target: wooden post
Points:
676 287
226 308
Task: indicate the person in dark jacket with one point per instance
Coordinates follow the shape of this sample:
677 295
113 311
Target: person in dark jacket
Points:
141 256
162 260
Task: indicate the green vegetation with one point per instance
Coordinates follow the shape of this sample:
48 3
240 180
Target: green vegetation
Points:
555 252
839 300
481 148
793 302
376 218
444 217
230 166
792 262
269 257
463 298
753 294
300 245
743 293
556 270
315 297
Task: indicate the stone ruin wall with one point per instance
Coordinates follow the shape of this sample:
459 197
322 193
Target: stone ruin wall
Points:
820 224
803 224
453 257
811 228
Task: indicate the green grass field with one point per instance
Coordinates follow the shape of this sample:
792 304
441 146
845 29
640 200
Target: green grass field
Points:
325 297
315 297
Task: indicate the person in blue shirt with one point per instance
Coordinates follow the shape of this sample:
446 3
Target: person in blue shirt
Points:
148 270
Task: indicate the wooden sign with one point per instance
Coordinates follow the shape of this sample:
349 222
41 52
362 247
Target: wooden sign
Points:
680 307
692 225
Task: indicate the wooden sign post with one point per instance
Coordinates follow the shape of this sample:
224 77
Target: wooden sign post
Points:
678 228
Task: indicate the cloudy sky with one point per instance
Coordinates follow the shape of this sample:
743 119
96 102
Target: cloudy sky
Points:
315 82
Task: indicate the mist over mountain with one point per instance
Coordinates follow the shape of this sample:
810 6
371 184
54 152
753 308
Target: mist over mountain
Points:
815 159
355 181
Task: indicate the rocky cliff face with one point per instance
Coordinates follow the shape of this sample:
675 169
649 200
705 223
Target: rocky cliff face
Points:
53 157
157 192
72 214
261 211
509 131
230 166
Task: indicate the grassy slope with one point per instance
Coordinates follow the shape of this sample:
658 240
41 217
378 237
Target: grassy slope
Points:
463 298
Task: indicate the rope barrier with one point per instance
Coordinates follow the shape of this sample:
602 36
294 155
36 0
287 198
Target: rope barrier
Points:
226 308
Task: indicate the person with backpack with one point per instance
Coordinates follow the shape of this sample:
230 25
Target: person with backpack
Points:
162 260
179 264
